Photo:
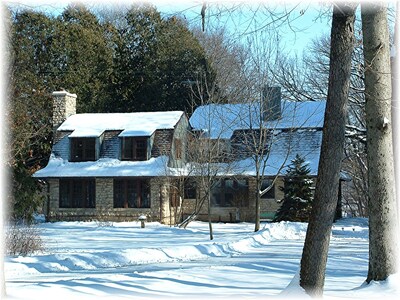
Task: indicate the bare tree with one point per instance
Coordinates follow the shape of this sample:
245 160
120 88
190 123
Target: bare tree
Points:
257 138
207 151
383 219
243 77
297 77
315 251
5 158
230 62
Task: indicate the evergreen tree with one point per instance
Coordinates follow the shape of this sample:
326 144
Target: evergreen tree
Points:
175 66
133 78
82 58
30 107
296 206
154 57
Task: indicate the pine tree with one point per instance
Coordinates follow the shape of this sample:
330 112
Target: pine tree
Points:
82 58
296 206
29 108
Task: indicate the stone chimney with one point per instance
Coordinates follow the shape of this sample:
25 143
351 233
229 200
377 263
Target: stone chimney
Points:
64 105
272 103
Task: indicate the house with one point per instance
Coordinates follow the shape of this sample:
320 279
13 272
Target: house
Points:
119 166
112 166
289 128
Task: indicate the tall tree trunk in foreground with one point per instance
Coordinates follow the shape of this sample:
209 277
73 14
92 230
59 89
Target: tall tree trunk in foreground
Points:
383 222
315 251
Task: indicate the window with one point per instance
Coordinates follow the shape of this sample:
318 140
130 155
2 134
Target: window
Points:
134 148
190 189
77 193
230 193
83 149
241 190
271 193
131 193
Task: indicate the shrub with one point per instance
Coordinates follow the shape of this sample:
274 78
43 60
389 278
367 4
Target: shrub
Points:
23 240
298 195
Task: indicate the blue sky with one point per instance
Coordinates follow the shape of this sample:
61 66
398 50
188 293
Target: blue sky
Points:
306 21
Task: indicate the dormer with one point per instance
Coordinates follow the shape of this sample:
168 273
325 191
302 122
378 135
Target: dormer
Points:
82 149
84 142
135 148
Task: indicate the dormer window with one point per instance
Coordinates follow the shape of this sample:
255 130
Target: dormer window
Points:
134 148
83 149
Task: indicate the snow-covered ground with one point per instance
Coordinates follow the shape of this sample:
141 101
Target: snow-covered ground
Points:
87 260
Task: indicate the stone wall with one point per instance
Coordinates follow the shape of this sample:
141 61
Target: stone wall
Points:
162 142
233 214
160 206
104 210
270 206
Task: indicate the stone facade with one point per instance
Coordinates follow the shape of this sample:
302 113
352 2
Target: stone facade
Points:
160 209
104 210
162 142
268 207
236 214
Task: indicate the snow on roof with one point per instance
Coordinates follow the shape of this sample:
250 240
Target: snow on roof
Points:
221 120
106 167
132 124
277 164
285 145
307 114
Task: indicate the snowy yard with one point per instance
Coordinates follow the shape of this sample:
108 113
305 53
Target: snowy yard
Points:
88 260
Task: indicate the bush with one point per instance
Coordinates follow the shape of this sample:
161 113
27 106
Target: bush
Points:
27 198
23 240
298 195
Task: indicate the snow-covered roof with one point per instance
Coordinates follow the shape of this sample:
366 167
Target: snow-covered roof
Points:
221 120
308 114
106 167
284 146
131 124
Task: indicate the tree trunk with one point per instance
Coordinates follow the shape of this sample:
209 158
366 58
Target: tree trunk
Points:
383 222
257 195
257 221
396 109
315 252
209 215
